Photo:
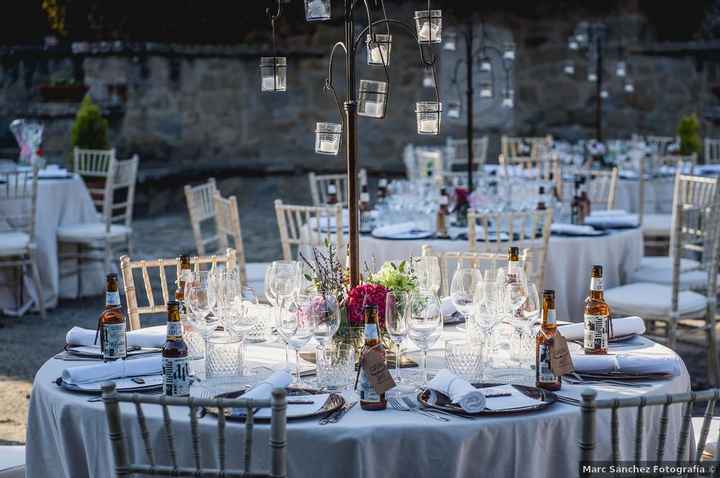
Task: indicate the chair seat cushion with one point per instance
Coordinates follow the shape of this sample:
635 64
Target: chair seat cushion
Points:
657 224
653 301
696 280
13 243
91 232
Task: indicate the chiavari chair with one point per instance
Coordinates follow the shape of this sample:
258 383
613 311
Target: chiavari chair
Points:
202 215
307 227
319 184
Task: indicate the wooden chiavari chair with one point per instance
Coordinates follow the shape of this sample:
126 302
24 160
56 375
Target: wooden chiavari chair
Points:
307 227
601 186
202 209
660 144
319 186
712 151
127 465
95 167
227 223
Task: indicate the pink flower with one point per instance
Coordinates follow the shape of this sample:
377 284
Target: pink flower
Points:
362 295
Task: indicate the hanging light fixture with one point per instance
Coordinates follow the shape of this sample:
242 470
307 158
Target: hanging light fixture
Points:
428 115
629 86
428 79
327 138
317 10
621 69
569 68
509 51
378 50
372 98
273 69
429 26
450 41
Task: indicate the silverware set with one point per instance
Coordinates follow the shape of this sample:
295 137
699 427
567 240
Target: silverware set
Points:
407 405
337 415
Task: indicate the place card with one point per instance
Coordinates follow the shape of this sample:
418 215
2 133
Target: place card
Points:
376 369
560 358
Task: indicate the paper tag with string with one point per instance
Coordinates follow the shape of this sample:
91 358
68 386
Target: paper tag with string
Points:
376 369
560 358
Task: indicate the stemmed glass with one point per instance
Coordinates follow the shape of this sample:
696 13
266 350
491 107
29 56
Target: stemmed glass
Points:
462 289
297 329
199 299
396 325
427 271
243 314
282 281
424 323
324 311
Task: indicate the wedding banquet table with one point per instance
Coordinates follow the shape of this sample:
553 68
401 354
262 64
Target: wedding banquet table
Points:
567 265
59 202
68 436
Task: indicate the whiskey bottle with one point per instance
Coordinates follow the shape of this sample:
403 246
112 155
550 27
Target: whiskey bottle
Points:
544 376
369 398
113 338
596 316
175 360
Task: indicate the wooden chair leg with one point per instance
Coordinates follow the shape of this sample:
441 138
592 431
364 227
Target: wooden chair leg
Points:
671 333
38 285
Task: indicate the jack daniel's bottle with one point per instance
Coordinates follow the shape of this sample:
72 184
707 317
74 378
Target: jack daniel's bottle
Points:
544 376
175 360
369 398
113 338
597 316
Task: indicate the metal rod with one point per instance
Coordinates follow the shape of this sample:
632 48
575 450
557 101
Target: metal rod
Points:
470 100
598 89
351 146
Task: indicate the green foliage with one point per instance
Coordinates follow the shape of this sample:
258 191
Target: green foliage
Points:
396 278
689 133
90 128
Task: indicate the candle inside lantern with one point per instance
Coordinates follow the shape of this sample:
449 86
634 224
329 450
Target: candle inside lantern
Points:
629 87
317 10
620 69
569 69
592 77
485 65
372 97
428 117
429 26
379 50
273 72
453 109
327 138
486 91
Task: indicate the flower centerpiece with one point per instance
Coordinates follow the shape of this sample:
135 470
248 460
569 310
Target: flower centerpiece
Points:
462 204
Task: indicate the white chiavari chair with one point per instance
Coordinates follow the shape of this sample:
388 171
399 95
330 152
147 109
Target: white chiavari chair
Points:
202 215
646 411
457 154
601 187
693 265
319 184
162 272
543 167
152 463
227 223
307 227
495 232
486 262
712 151
95 167
18 249
101 241
522 146
660 144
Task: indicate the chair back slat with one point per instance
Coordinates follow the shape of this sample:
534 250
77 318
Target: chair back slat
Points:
167 426
96 167
457 154
18 194
201 208
705 429
601 187
227 224
221 438
144 433
319 184
587 429
159 268
682 448
249 422
307 227
614 434
195 438
662 436
122 185
639 421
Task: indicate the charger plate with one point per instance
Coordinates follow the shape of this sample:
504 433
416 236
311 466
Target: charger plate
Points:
443 402
333 403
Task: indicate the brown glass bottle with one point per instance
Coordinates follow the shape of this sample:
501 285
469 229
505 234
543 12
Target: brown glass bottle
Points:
382 188
175 360
364 199
185 269
544 376
369 398
596 316
441 217
332 197
113 338
514 266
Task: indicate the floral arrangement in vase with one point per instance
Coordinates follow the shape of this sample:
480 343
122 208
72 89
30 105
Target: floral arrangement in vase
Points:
462 204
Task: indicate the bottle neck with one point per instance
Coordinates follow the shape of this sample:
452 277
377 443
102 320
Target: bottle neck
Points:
550 319
112 298
596 288
174 326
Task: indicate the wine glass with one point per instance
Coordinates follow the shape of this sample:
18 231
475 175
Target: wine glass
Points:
284 279
395 324
243 314
424 323
427 271
200 305
324 311
297 330
463 288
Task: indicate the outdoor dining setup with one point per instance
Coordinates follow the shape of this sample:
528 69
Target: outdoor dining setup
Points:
508 305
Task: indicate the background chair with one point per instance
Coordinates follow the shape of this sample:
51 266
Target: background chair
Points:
18 192
543 167
712 151
601 187
457 154
319 186
202 209
126 465
307 227
94 166
153 271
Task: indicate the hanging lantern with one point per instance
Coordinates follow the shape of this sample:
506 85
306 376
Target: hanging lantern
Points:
378 50
273 73
573 44
485 64
453 109
450 41
372 98
327 138
486 89
592 77
317 10
629 87
509 51
508 98
604 94
569 68
621 70
429 26
428 79
428 117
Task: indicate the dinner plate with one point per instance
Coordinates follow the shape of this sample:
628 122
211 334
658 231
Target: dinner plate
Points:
443 403
405 236
622 338
333 403
128 384
93 351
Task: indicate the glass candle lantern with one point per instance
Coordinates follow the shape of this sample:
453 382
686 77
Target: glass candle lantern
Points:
378 50
486 89
372 98
429 26
509 52
508 99
453 109
485 64
327 138
621 70
604 94
273 73
569 68
592 76
450 41
317 10
573 44
629 87
428 117
428 79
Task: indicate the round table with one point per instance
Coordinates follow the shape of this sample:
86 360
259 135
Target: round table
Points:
59 202
567 265
68 436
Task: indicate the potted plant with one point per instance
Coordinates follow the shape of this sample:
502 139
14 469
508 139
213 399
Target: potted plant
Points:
689 133
90 129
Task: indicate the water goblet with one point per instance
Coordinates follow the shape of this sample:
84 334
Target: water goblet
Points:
396 325
424 323
463 288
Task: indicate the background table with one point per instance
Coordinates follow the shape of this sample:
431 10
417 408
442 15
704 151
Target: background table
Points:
567 265
59 202
68 437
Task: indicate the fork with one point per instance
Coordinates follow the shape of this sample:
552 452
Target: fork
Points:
397 405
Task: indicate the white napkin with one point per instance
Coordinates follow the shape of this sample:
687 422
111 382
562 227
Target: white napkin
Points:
460 391
395 229
112 370
633 363
609 212
52 170
447 308
624 326
149 337
562 228
612 218
263 390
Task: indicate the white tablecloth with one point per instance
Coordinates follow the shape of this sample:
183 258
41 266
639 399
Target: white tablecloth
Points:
68 437
567 266
59 202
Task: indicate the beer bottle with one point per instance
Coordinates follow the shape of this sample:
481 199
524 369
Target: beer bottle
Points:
542 204
575 205
382 188
332 197
596 316
514 267
544 376
441 217
369 398
113 339
364 199
584 199
185 270
175 360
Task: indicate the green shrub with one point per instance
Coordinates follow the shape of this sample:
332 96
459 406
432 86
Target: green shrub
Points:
90 128
689 133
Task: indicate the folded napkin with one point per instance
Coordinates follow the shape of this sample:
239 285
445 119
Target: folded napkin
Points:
612 218
460 391
631 363
447 308
263 390
396 230
570 229
620 327
112 370
149 337
609 213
